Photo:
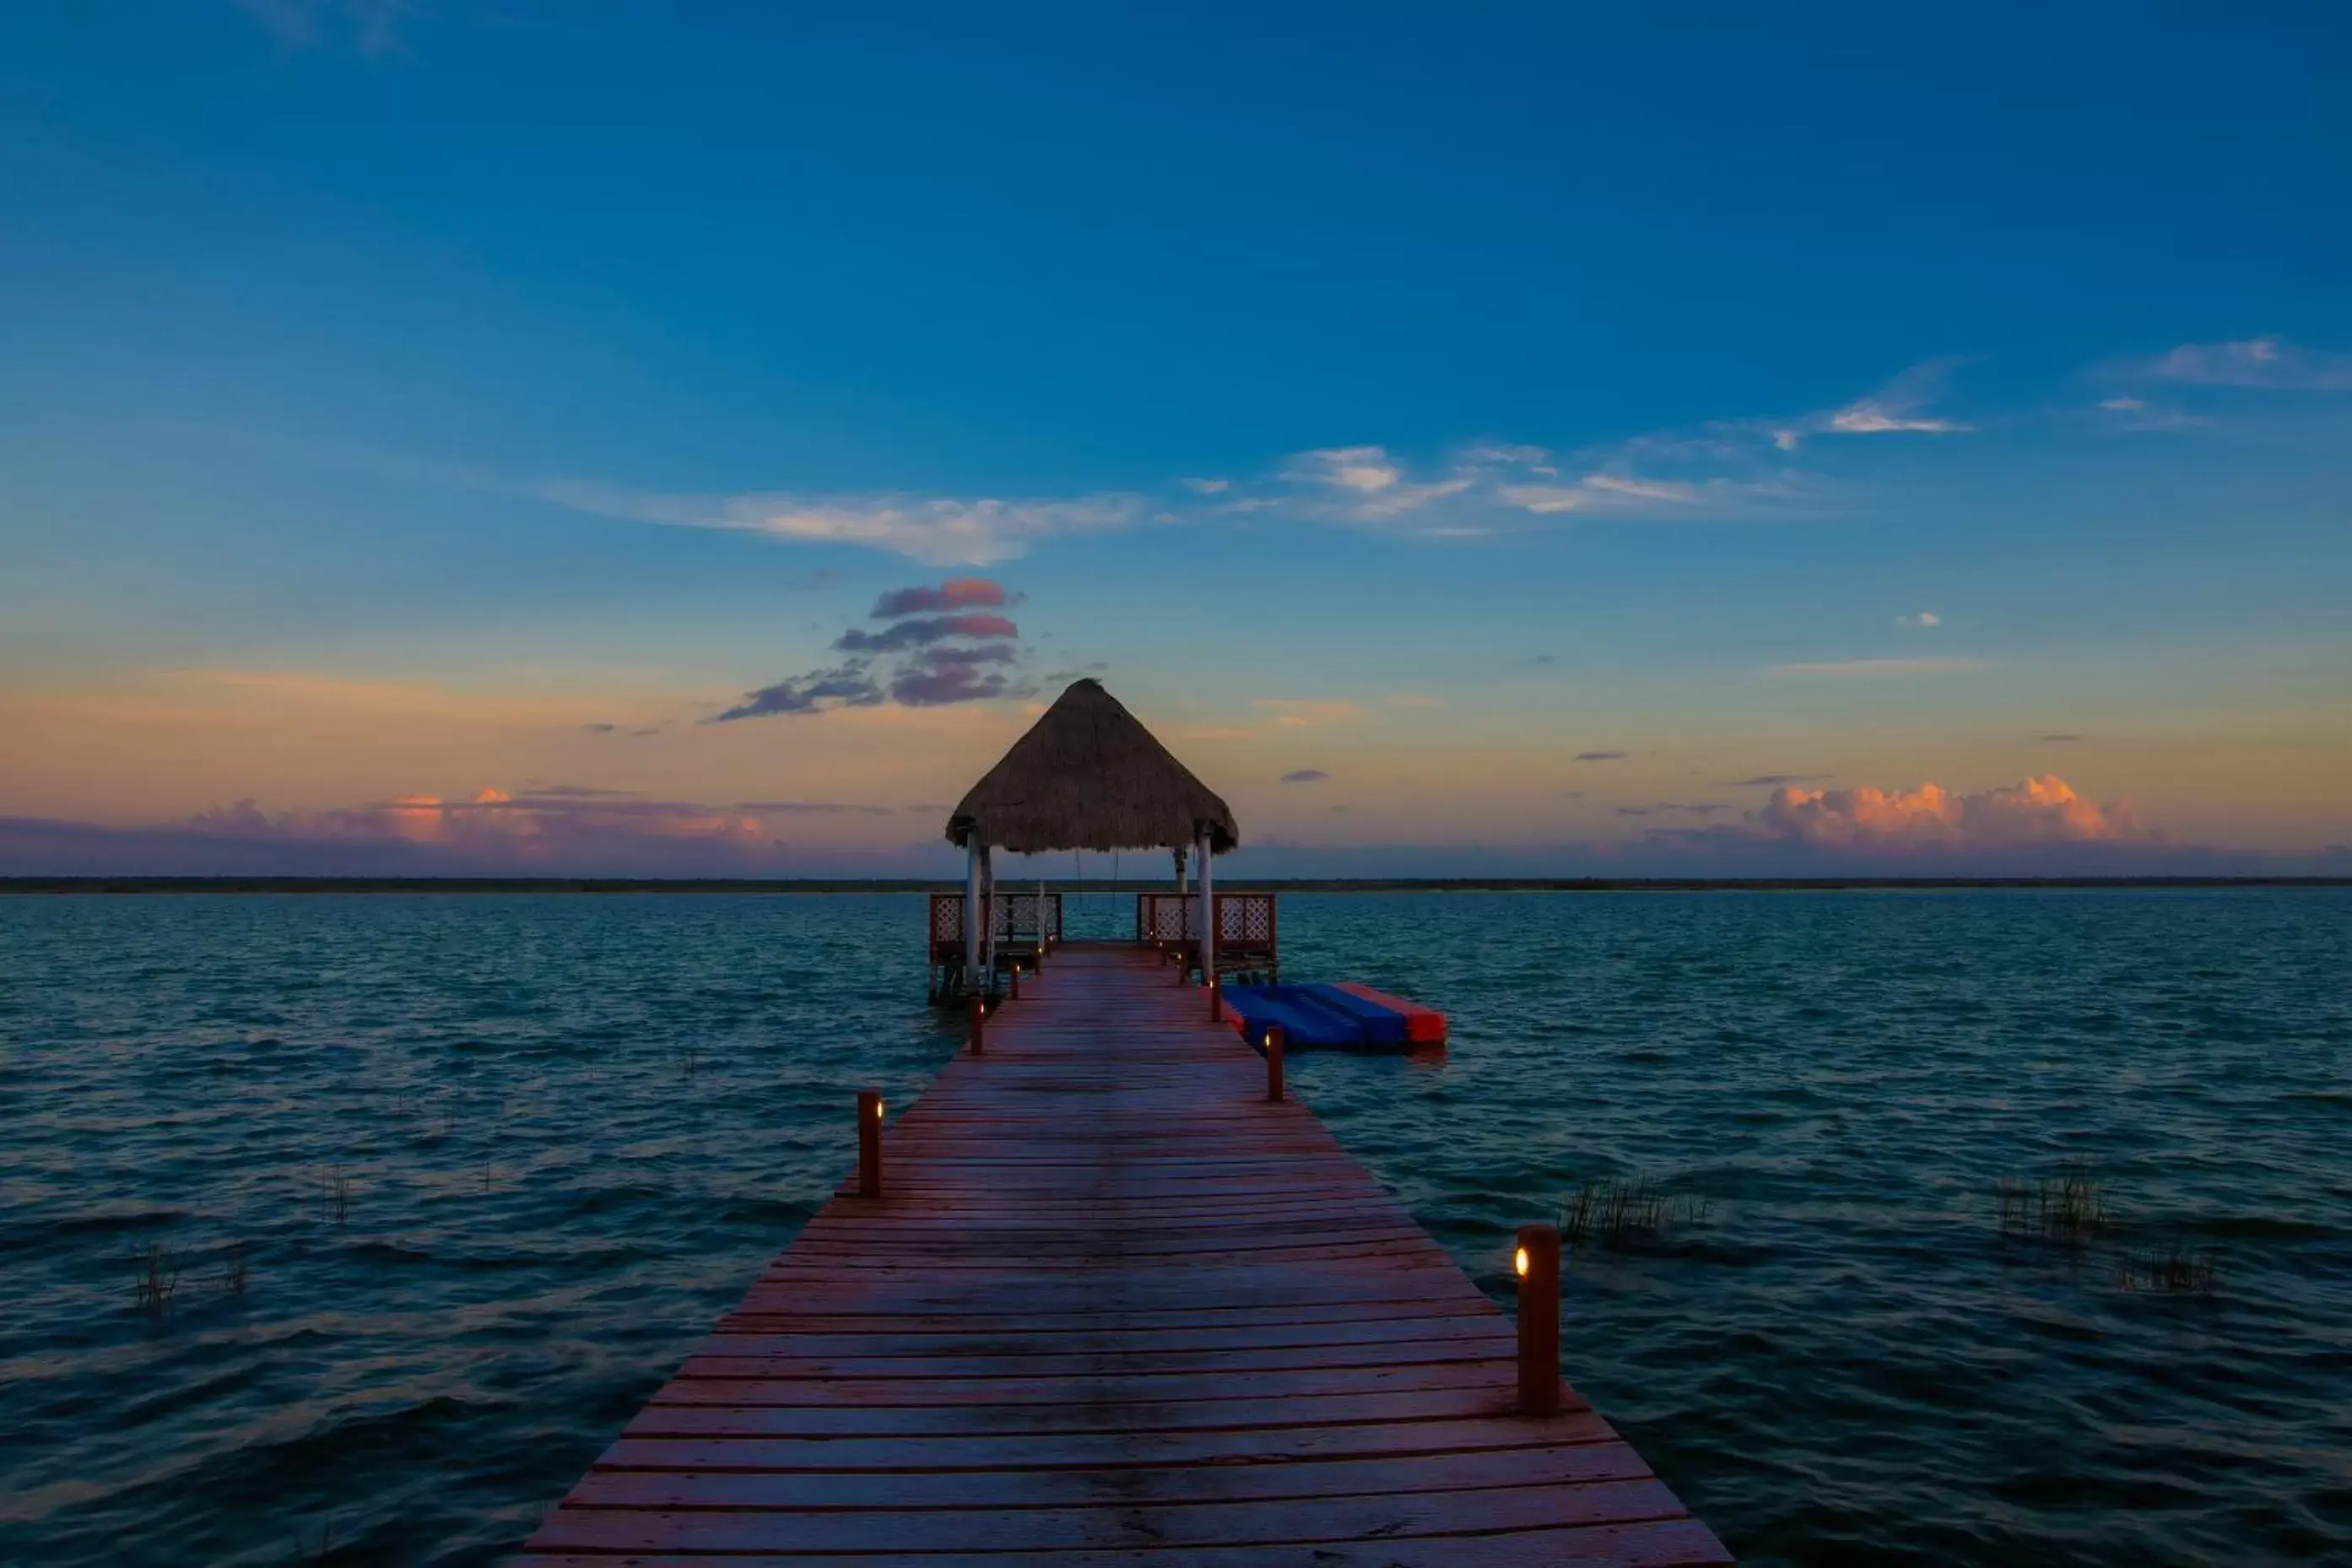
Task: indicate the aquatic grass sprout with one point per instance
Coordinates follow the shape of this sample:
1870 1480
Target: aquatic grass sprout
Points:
1618 1213
2072 1210
2068 1210
334 1197
2175 1268
155 1276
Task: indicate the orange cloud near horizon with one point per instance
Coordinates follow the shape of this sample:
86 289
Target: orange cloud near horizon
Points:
2044 810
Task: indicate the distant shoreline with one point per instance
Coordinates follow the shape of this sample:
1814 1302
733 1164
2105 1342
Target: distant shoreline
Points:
56 885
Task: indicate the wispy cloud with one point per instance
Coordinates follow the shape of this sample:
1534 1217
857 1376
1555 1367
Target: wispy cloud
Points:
1362 485
1304 775
373 25
1473 490
1771 780
1881 667
1602 756
1724 468
936 531
1875 419
1898 407
1923 619
2138 413
812 808
1506 452
2055 738
1301 713
1364 470
1598 492
2266 362
1399 499
1476 489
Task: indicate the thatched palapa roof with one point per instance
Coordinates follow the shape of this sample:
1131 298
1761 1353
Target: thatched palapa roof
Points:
1088 776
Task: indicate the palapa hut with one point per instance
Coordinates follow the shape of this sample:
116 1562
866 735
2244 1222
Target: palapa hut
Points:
1087 775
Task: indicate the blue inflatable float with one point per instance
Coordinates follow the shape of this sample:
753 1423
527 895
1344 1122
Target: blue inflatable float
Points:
1337 1017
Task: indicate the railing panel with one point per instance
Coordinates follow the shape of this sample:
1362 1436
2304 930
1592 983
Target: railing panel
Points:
1013 916
1245 922
1016 916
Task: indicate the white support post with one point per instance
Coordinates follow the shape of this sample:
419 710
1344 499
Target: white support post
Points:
988 905
972 915
1208 918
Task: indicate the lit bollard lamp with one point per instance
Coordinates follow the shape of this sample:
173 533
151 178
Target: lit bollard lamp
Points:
1537 1264
869 1143
1274 1063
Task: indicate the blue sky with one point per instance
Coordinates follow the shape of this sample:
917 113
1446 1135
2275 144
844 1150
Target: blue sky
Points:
1422 397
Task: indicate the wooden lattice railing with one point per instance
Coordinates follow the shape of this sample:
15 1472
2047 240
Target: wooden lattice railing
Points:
1245 922
1014 915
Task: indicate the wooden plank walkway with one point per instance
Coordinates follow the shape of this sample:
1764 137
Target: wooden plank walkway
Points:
1112 1308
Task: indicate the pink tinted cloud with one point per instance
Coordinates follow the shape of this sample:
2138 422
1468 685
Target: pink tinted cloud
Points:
2037 811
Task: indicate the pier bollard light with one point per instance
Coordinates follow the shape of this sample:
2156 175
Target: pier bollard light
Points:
1537 1264
1216 1002
1016 983
1274 1062
979 1022
869 1143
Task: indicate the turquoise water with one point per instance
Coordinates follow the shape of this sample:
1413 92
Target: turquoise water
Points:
491 1164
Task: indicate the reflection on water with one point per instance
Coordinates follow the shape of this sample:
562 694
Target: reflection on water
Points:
439 1189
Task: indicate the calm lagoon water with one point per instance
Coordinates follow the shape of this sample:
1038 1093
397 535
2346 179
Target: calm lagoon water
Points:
490 1165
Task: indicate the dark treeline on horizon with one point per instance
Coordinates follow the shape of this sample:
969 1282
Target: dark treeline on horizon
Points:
1125 885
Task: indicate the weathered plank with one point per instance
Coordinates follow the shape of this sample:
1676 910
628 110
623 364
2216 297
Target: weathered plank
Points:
1654 1544
1113 1307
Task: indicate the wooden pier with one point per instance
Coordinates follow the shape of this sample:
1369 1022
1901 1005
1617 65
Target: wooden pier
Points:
1113 1306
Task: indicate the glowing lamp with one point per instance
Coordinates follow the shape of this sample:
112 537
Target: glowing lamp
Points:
869 1143
1537 1263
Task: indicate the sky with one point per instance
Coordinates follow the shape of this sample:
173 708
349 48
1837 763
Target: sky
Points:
595 438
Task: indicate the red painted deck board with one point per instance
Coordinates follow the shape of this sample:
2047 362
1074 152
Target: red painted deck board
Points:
1112 1308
